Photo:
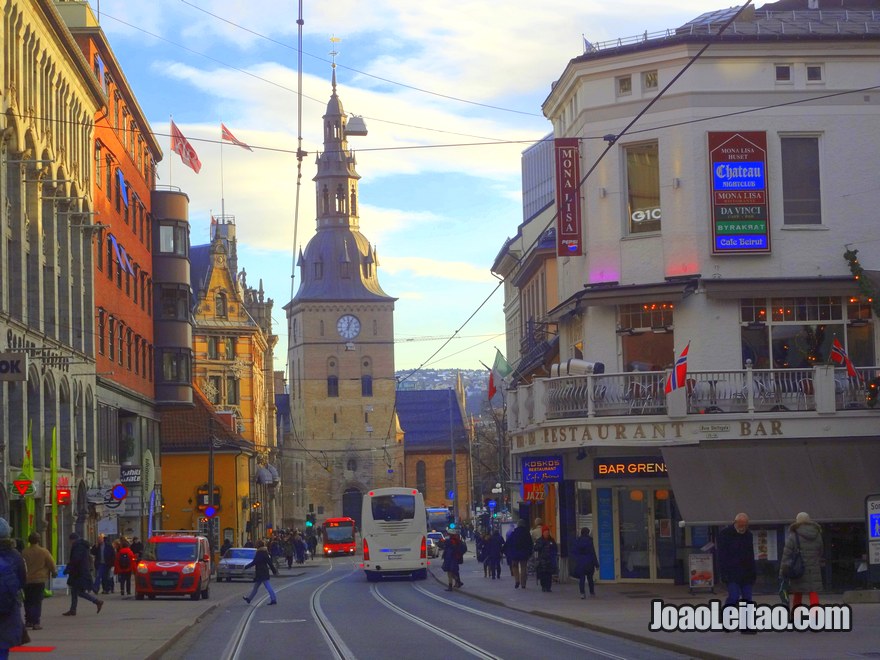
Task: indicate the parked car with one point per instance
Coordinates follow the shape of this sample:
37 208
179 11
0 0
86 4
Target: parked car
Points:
433 550
232 565
174 565
438 538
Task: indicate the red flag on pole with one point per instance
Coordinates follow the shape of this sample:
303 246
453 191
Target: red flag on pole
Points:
180 145
838 355
227 135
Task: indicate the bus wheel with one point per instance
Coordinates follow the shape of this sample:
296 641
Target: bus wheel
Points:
372 576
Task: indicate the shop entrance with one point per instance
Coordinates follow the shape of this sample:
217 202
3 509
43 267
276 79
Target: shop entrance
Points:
648 533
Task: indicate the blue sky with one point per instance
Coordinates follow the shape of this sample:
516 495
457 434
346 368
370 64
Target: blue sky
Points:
463 81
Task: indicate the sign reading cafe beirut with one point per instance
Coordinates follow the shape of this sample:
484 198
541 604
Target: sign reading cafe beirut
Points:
568 197
740 219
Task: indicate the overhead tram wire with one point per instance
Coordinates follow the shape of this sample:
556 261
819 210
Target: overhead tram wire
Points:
608 147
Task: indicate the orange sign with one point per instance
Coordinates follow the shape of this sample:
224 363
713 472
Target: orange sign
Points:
533 492
22 486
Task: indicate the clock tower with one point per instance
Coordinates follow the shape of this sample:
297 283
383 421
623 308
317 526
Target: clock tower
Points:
340 359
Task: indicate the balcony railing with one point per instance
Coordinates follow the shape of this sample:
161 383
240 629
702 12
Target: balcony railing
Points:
821 389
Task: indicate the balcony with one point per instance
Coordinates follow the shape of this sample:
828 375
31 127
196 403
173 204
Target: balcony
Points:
820 390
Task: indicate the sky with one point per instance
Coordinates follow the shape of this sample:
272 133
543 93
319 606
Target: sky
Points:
451 94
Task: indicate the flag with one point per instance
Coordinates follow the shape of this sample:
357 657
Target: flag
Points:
180 145
839 356
226 134
678 376
54 495
27 471
501 366
492 388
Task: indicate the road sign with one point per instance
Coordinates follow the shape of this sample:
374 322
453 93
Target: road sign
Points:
23 486
492 504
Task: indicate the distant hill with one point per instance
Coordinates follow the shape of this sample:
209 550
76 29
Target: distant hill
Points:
475 381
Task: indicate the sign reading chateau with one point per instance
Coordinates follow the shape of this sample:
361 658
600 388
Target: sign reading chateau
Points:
740 218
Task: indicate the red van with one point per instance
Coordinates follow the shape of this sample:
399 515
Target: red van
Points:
174 565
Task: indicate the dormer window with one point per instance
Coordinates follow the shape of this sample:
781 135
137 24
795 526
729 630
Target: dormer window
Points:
319 270
220 307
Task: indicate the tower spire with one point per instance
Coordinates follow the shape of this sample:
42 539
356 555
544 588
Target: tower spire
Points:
333 53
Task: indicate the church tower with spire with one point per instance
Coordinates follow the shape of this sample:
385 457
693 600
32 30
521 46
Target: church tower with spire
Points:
340 355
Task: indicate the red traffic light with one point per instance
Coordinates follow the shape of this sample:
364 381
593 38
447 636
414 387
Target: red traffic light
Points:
62 496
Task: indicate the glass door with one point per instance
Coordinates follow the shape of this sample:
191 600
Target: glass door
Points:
648 533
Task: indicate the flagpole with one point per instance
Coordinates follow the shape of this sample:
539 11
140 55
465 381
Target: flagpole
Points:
170 148
222 198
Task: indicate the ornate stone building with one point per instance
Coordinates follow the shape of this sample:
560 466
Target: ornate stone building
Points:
341 346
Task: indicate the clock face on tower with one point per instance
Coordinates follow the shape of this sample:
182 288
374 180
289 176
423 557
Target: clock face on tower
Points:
348 326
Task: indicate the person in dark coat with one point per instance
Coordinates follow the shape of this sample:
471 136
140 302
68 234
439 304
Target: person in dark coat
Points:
453 556
226 545
736 560
518 549
546 559
585 562
79 574
11 624
808 534
105 558
492 550
262 564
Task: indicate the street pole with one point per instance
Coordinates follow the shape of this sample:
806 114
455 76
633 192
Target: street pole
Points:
211 442
452 449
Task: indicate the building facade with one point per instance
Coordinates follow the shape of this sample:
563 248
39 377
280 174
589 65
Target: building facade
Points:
723 229
340 357
50 98
124 157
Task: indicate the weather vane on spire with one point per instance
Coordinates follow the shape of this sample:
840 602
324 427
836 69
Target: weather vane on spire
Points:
333 53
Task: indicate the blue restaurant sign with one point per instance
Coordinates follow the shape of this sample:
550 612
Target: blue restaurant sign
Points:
541 469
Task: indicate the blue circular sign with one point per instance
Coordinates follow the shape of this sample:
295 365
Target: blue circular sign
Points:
119 492
210 512
492 504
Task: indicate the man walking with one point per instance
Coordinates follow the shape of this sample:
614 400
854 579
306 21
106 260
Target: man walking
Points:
518 549
104 558
79 574
736 560
40 567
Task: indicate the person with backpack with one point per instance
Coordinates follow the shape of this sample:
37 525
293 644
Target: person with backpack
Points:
40 567
13 576
79 574
124 567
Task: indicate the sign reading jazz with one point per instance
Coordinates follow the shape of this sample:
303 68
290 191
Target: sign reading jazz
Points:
541 469
568 197
740 222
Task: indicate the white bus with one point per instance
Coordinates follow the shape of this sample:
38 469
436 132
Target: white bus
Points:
394 530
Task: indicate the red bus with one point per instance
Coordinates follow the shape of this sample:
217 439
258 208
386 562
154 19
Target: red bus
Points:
339 536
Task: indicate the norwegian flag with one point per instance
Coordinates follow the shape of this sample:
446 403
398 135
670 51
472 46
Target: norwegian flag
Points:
678 376
180 145
839 356
227 135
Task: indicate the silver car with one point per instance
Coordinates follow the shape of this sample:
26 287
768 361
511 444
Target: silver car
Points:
433 550
232 565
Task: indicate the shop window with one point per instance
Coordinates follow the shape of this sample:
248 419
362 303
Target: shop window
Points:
643 187
801 194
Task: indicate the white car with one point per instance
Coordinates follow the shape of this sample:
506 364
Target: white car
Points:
232 565
433 550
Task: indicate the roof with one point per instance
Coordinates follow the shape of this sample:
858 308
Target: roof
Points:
199 262
429 418
282 412
188 428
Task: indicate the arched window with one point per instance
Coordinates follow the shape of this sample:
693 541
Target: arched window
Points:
366 377
447 479
351 465
422 477
332 378
220 305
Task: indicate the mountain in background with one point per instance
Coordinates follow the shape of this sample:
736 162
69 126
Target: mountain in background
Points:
475 381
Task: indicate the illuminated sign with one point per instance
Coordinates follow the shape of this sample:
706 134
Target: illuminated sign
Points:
740 209
541 469
533 492
568 197
629 467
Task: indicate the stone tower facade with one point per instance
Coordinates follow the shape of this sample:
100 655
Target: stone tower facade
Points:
340 329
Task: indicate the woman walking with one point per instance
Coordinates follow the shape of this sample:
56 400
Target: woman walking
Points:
546 554
805 536
453 555
262 564
583 553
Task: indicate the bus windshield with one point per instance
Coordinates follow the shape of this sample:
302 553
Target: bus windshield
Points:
393 507
340 534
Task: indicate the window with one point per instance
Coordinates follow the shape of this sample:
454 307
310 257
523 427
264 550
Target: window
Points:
101 331
120 330
232 391
137 354
646 335
214 389
212 348
176 366
135 276
643 187
333 386
129 339
173 239
351 465
220 310
100 250
109 259
99 159
814 73
801 195
366 386
111 340
421 477
108 176
623 85
174 302
447 479
650 80
783 73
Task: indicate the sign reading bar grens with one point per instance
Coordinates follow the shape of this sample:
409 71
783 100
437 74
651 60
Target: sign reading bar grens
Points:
541 469
629 467
13 366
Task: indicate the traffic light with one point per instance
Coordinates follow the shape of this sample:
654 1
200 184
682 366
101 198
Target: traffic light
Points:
873 389
62 496
310 520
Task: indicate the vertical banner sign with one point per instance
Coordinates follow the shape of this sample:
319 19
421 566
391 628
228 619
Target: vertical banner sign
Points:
740 218
605 536
568 197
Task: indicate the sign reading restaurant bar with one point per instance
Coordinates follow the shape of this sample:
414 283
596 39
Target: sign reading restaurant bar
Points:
568 197
740 218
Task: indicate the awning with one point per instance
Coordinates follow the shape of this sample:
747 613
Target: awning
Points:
781 287
616 294
772 481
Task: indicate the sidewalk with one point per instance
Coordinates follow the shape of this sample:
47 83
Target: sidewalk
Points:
625 610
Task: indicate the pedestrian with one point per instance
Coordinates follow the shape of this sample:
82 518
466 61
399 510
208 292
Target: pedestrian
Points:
806 535
312 542
299 548
13 577
453 556
40 567
227 543
79 574
137 548
288 549
262 564
492 551
518 549
585 562
536 530
480 547
124 567
546 559
736 560
104 557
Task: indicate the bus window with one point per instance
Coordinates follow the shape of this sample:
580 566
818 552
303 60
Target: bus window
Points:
394 507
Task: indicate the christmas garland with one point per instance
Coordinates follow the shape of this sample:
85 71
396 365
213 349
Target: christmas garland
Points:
865 285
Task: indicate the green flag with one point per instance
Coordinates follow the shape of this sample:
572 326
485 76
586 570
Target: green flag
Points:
27 471
53 496
501 368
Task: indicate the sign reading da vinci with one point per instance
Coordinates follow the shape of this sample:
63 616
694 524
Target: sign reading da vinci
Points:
568 197
740 218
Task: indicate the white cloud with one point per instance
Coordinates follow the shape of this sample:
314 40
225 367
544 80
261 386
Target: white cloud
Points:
436 269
